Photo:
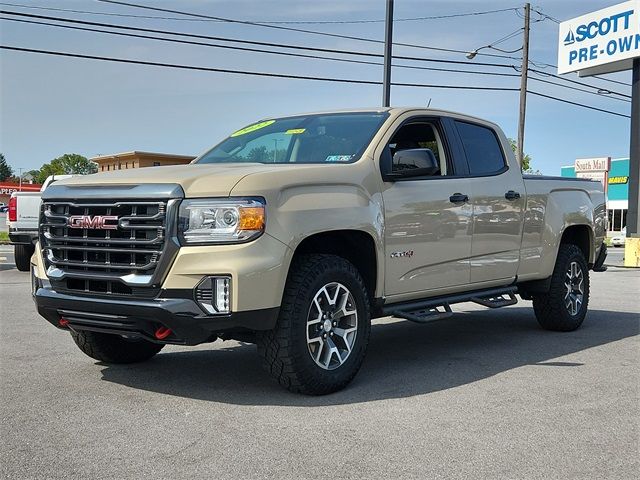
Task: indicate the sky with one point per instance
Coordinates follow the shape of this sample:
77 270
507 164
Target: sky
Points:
55 105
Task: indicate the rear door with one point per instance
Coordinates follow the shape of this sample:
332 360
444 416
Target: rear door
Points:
427 219
498 199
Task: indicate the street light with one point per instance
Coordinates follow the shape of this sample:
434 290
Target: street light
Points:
471 55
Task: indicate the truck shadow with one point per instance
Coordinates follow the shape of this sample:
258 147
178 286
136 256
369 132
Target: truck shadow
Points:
403 360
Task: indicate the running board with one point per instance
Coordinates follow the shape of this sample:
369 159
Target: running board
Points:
438 308
425 315
496 301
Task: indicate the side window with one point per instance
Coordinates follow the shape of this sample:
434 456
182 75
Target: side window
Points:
420 135
482 148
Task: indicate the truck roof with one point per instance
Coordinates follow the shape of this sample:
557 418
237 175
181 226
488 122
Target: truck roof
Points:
394 111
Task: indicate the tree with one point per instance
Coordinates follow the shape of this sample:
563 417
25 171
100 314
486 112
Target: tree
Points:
259 154
5 169
526 161
67 164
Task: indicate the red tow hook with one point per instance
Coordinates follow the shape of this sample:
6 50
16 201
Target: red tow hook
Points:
63 322
162 333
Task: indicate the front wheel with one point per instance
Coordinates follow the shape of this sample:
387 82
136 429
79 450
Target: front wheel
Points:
564 306
323 329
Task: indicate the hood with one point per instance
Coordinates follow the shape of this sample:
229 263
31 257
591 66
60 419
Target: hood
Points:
206 180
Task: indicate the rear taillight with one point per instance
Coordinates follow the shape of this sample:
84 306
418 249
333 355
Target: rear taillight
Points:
13 209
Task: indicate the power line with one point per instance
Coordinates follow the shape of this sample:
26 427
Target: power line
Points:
251 73
295 77
289 53
578 104
602 95
257 50
544 16
280 22
253 42
299 30
575 82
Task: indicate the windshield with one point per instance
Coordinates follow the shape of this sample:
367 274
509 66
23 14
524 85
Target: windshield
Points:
323 138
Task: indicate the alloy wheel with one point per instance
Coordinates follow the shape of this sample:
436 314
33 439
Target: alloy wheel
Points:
574 283
332 325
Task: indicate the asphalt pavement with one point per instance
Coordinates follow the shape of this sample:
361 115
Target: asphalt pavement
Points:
485 394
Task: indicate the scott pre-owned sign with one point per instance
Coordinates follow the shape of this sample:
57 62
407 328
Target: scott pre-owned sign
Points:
608 39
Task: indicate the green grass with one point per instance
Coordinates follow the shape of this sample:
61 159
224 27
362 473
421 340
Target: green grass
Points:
4 236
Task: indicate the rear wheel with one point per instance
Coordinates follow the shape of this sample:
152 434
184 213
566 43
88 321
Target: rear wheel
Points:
110 348
322 333
22 254
564 306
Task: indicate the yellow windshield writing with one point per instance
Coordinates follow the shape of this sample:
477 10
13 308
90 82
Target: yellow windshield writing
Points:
253 128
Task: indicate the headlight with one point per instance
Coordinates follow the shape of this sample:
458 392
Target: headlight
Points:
232 220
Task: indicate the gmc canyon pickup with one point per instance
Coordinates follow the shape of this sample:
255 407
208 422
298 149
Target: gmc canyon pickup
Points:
293 233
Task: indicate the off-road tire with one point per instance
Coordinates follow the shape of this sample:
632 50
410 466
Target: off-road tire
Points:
284 349
110 348
550 309
22 254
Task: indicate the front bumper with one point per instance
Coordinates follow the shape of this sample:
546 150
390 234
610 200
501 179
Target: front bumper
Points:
174 310
23 238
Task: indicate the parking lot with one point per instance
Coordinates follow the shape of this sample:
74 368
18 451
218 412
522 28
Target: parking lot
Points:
486 394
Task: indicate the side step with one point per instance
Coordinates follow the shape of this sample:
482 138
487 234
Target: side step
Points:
438 308
425 315
496 301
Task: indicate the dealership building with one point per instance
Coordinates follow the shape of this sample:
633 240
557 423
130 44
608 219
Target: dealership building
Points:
614 174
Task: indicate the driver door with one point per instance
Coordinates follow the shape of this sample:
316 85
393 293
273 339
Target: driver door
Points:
427 219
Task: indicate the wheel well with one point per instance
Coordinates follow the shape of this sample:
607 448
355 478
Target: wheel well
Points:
353 245
580 236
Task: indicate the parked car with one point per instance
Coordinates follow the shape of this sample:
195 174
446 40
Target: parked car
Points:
356 215
4 208
619 240
22 219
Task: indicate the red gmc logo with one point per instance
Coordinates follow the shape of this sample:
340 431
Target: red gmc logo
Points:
97 222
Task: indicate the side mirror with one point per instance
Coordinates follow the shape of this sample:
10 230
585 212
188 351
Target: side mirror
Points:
418 162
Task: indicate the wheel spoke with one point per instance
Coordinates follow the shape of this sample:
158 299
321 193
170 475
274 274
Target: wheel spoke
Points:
333 349
344 308
320 350
344 334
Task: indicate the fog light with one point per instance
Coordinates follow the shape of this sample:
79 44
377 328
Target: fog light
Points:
213 294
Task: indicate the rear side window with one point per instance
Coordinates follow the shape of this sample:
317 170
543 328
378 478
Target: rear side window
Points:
482 149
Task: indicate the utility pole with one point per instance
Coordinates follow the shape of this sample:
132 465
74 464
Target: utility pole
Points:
20 179
523 82
632 255
388 45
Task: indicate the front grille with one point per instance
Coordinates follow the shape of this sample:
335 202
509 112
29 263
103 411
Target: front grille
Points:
116 256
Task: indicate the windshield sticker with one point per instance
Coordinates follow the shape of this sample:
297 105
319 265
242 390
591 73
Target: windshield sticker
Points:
339 158
295 131
252 128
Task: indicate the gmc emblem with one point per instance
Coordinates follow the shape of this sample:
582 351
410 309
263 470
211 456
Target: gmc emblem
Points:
97 222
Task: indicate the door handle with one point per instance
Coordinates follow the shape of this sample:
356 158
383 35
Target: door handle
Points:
458 198
511 195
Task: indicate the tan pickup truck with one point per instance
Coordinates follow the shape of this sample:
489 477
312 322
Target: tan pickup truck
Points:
293 233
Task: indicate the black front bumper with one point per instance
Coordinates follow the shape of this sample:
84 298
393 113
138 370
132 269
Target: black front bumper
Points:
143 317
23 238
